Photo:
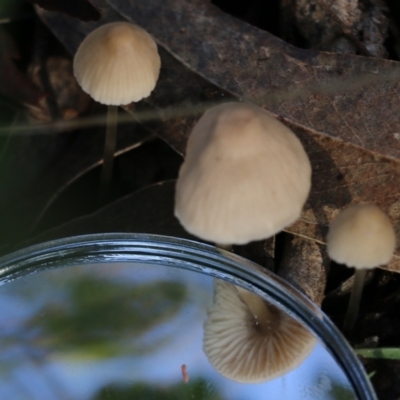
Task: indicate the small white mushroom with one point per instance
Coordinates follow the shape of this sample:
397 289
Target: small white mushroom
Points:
116 64
362 237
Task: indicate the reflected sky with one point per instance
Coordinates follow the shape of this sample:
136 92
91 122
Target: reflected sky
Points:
31 371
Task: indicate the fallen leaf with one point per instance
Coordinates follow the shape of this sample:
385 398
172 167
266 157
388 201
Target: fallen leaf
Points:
334 94
330 101
344 174
82 9
45 165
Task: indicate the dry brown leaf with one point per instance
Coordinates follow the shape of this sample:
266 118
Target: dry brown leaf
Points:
148 210
351 98
82 9
344 108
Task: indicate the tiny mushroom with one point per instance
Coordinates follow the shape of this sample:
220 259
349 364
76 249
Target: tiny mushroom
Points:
116 64
249 340
246 176
362 237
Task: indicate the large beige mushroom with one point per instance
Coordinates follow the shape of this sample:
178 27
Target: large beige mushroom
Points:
246 176
362 237
116 64
249 340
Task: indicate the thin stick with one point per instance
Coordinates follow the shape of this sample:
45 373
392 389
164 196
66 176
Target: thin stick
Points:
109 149
354 303
185 375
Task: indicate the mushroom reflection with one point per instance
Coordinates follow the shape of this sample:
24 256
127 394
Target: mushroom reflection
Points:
249 340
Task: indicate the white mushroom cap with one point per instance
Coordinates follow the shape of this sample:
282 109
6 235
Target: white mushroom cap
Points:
361 236
246 176
117 63
250 341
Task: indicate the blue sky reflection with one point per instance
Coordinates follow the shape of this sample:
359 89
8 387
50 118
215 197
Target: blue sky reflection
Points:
29 373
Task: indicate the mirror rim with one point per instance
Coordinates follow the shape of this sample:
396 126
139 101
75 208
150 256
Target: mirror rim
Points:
199 257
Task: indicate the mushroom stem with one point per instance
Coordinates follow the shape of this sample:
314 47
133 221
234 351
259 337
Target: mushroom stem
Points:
109 149
227 247
305 266
257 306
354 303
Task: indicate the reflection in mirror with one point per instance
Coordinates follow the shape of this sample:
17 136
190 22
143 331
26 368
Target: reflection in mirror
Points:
136 331
249 340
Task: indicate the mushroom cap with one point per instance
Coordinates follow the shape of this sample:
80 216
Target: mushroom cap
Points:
248 346
117 63
246 176
361 236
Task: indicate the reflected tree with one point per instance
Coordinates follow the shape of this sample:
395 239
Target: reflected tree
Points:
103 318
330 389
340 392
90 318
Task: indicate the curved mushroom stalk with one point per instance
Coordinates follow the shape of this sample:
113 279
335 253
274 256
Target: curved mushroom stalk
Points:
249 340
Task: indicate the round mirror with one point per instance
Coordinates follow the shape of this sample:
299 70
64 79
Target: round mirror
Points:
133 316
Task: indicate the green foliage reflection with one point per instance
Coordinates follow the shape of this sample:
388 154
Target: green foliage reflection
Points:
339 392
102 318
330 389
195 390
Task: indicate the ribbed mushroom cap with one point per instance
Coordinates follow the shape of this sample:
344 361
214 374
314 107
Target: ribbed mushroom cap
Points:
246 176
250 341
117 63
361 236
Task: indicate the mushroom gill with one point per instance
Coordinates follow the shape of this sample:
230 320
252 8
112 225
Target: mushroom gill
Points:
249 340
